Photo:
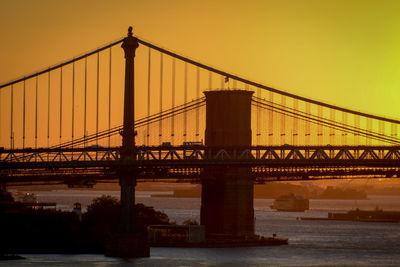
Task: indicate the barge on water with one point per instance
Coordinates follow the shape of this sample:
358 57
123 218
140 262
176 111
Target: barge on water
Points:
376 215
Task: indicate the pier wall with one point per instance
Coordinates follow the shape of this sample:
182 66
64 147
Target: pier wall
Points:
227 192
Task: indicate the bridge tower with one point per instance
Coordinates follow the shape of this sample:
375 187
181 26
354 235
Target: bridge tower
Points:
227 192
128 243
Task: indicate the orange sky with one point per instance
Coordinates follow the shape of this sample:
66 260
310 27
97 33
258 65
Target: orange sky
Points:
342 52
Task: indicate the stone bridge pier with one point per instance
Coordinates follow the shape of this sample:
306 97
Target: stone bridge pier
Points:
227 192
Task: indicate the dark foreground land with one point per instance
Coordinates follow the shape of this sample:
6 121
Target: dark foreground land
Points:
30 231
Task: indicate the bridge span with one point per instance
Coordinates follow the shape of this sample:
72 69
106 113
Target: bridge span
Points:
186 163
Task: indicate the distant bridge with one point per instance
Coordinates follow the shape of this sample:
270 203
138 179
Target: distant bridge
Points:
184 163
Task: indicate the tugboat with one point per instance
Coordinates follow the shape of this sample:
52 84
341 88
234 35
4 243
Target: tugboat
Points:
290 203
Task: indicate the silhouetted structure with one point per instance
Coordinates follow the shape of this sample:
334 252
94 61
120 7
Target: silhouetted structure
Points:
128 243
227 192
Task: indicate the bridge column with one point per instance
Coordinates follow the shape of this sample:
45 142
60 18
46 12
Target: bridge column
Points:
128 243
227 192
128 176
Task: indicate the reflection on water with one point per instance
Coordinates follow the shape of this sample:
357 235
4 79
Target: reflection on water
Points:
317 243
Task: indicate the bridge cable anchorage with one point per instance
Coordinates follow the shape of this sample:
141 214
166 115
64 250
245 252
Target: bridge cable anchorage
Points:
318 121
245 81
148 93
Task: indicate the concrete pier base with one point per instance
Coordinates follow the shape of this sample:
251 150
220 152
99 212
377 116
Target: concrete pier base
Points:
227 204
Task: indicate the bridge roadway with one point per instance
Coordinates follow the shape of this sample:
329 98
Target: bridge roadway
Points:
77 166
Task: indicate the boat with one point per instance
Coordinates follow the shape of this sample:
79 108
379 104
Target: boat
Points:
290 202
377 215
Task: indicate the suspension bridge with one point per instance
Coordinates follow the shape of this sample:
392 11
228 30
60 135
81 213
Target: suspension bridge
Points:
180 120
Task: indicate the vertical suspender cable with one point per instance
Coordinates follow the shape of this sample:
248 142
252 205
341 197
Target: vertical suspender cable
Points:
283 122
197 97
12 118
258 118
48 110
332 130
369 129
173 100
73 106
308 126
148 94
161 99
382 128
85 105
270 119
209 80
161 83
320 129
109 98
185 100
0 116
344 135
357 125
393 130
97 99
36 110
222 82
60 104
246 87
295 133
23 119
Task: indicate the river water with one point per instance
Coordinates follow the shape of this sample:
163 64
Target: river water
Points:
311 243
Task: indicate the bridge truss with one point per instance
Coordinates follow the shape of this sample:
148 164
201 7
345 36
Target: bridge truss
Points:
186 163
